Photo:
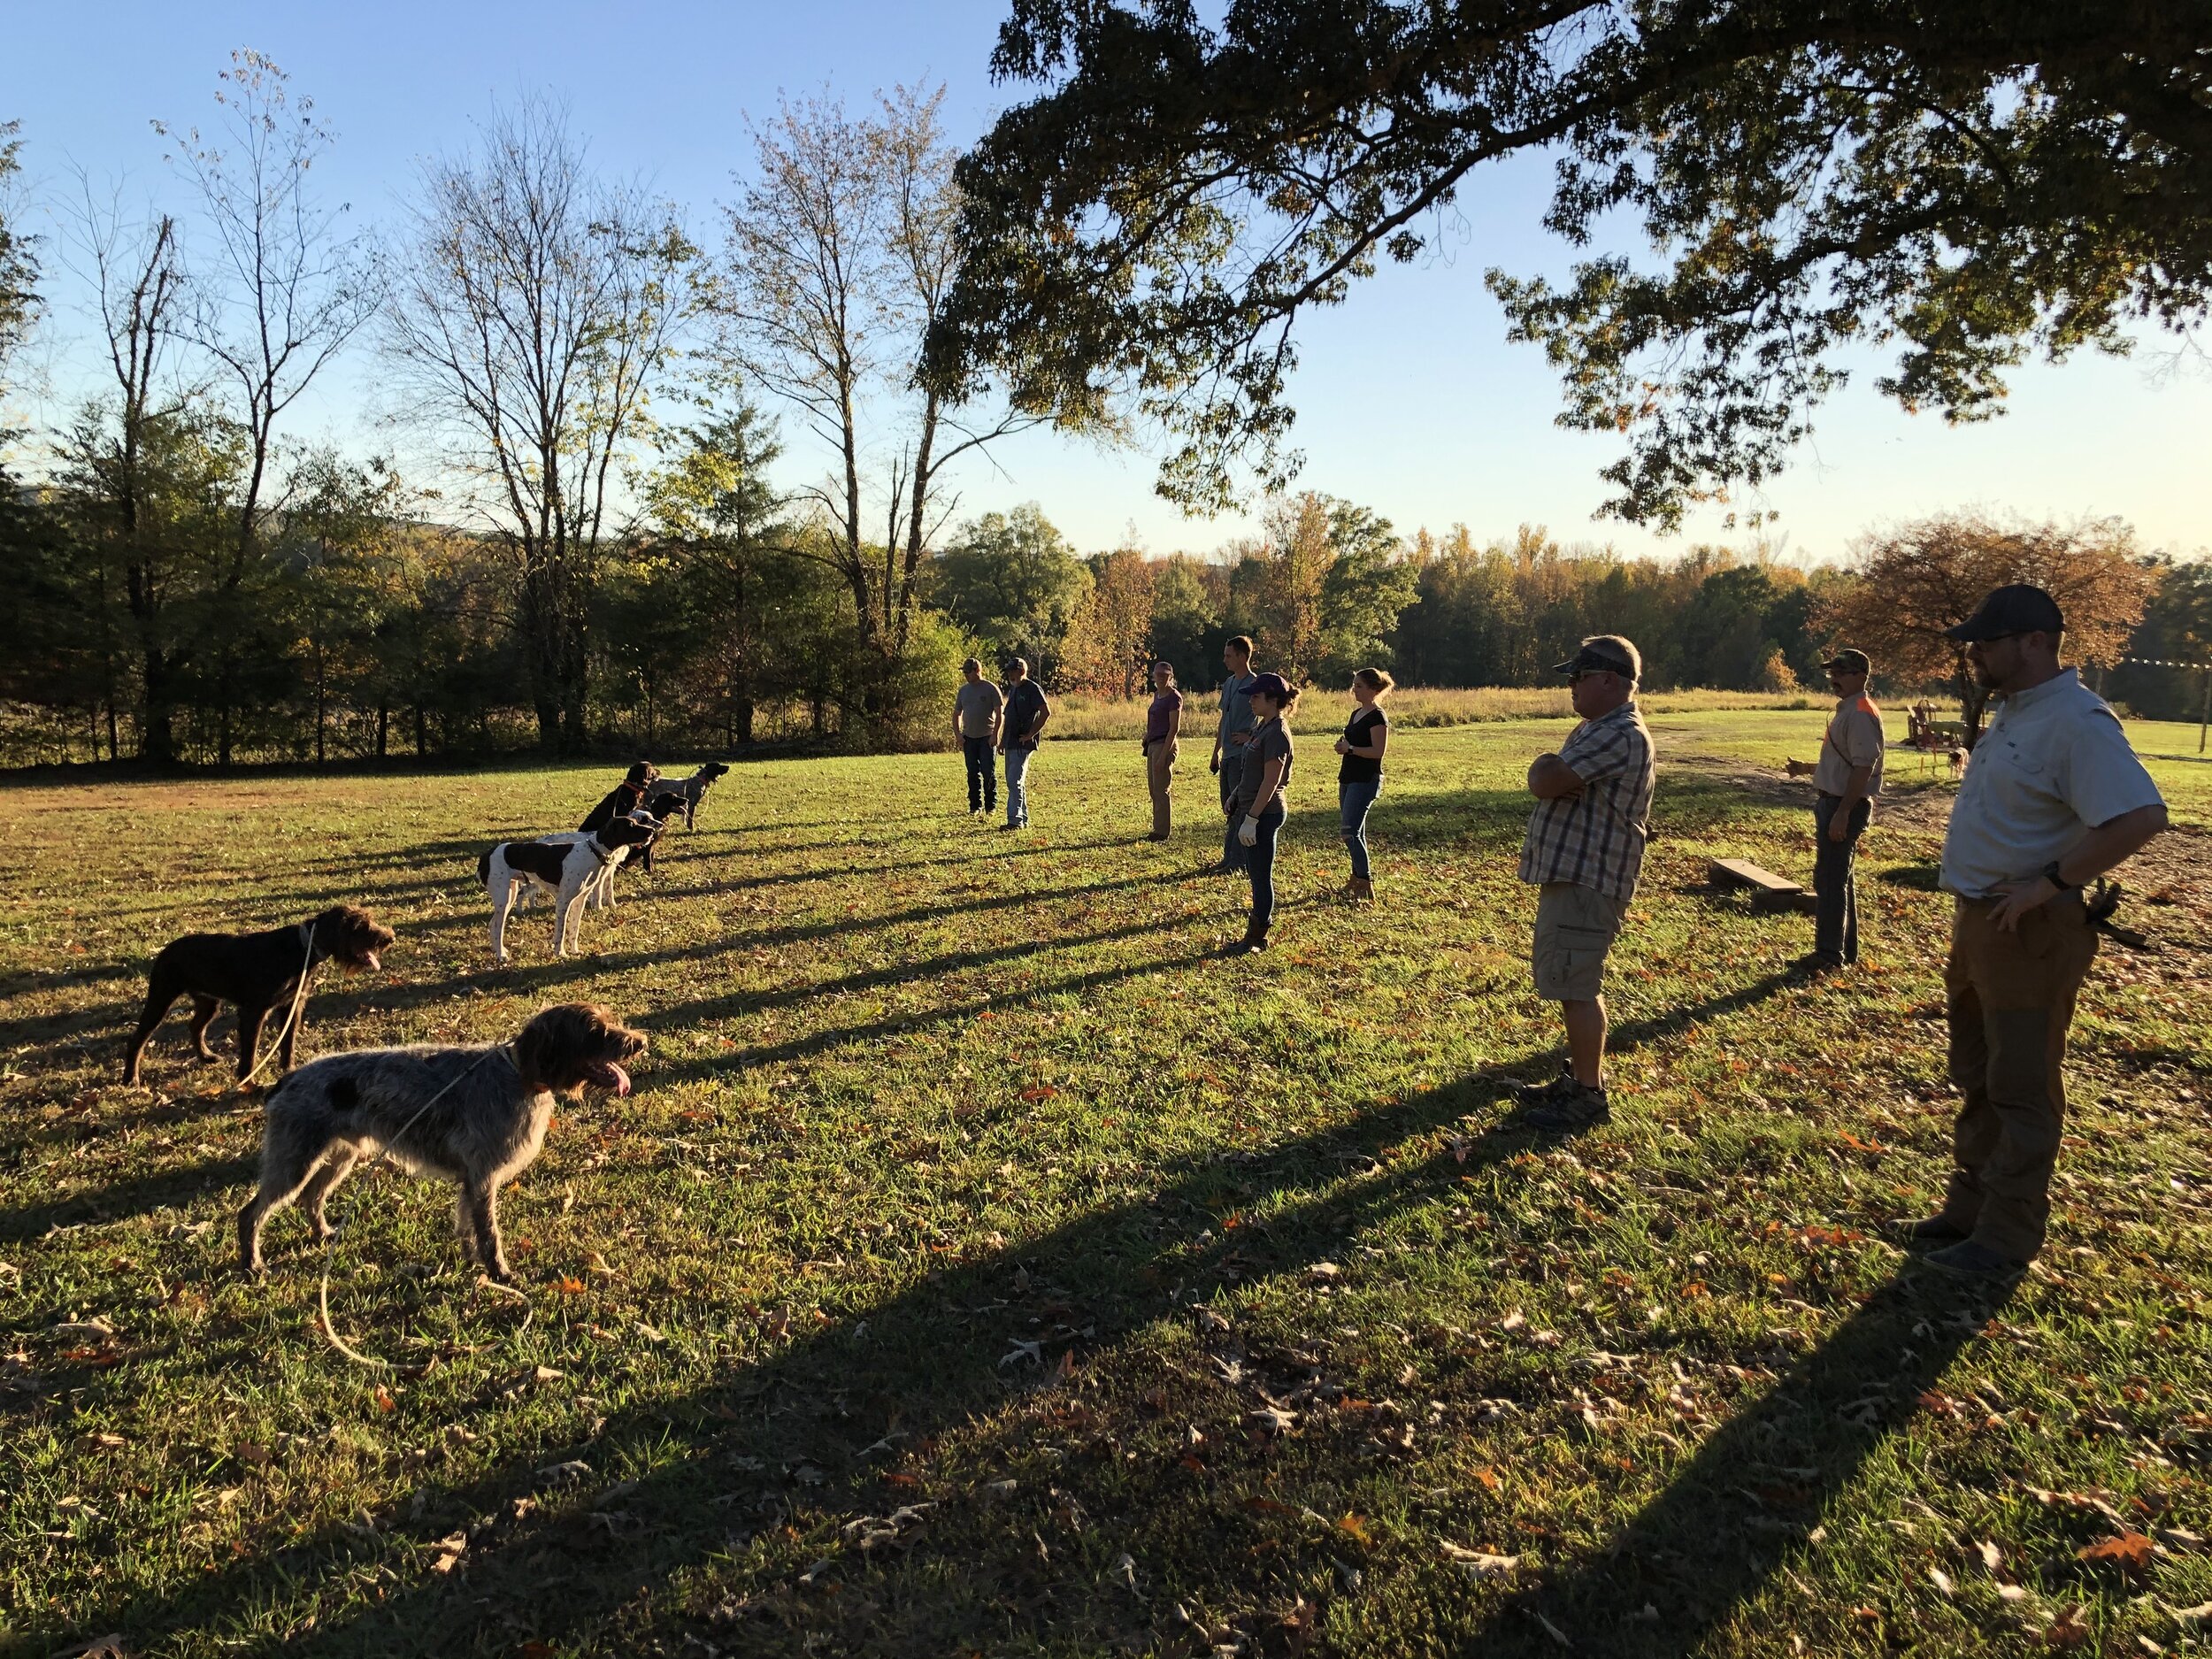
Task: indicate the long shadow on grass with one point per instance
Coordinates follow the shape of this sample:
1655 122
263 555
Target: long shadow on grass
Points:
122 1199
1750 1499
931 1357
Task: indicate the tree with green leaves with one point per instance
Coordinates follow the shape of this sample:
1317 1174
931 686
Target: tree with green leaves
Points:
1956 182
1014 583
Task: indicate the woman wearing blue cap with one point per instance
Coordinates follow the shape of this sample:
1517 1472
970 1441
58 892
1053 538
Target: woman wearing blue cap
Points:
1257 807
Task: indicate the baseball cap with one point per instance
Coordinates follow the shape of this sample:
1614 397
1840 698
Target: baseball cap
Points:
1599 654
1850 662
1274 688
2016 608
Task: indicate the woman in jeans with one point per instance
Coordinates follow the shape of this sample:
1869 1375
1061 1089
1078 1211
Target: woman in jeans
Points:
1257 807
1359 776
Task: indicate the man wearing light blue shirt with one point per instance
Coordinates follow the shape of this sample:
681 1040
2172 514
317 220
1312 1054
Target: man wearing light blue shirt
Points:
2053 798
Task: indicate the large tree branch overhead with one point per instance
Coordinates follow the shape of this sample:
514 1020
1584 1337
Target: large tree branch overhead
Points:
1961 184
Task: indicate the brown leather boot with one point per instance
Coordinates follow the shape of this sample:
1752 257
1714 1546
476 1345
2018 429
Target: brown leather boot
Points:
1359 890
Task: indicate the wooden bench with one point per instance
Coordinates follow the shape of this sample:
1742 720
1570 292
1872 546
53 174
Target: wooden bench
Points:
1769 891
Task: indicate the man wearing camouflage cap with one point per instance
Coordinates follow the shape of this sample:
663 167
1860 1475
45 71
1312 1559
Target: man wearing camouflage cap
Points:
2053 798
1846 778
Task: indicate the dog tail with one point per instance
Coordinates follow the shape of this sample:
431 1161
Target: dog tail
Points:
484 865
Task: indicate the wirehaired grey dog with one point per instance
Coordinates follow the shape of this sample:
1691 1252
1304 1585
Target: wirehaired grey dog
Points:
476 1116
255 972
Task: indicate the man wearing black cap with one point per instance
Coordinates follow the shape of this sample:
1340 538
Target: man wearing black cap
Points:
2053 798
1846 778
1584 850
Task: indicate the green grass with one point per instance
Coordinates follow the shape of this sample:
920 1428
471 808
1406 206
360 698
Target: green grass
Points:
981 1267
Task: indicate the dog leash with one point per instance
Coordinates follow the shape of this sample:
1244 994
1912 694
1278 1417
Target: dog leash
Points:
299 996
330 1244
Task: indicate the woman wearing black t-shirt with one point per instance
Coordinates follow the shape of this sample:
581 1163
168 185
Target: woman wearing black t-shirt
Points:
1359 777
1256 809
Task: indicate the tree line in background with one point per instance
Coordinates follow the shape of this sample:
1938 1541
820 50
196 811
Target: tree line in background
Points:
605 561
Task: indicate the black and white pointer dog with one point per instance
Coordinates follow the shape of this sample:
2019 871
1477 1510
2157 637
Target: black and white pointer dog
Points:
475 1116
255 973
570 867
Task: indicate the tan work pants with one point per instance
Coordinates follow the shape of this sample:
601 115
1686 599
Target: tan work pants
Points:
1159 770
2011 999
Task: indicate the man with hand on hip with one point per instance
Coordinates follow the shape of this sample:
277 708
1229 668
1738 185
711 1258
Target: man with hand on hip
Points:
1846 778
1584 851
1020 726
1231 738
2053 798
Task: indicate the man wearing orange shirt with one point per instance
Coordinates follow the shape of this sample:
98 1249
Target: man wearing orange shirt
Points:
1846 778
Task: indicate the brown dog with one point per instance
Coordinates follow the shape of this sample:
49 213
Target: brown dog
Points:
255 973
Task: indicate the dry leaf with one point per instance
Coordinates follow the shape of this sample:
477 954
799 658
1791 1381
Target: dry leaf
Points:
1993 1558
1480 1562
1355 1526
384 1401
1323 1274
1942 1581
2068 1630
450 1549
2130 1552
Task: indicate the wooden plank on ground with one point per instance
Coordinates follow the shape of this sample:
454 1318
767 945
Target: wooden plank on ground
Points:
1769 891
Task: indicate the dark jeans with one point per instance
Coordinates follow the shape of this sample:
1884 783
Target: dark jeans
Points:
1259 863
1835 892
1354 796
982 774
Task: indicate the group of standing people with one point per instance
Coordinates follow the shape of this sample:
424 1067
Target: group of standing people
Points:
1252 758
991 723
2053 797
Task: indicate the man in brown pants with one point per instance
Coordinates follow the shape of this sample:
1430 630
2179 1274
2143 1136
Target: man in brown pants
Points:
2053 797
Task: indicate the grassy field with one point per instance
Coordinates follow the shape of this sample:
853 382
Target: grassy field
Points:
984 1267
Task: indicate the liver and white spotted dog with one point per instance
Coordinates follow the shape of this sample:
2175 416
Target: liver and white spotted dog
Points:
254 973
568 866
476 1116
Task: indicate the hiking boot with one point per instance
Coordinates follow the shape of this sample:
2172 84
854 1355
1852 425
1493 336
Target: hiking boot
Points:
1359 890
1813 964
1969 1259
1579 1106
1543 1094
1937 1229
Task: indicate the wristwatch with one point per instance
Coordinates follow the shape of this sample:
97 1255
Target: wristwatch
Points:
2051 875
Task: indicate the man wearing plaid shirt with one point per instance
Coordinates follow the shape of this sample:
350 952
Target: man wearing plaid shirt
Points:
1585 848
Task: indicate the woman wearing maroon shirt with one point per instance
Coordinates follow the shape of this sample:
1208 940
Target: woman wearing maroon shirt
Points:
1163 725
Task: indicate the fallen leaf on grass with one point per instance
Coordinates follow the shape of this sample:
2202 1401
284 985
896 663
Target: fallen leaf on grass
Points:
1323 1274
1993 1558
384 1401
1480 1562
1942 1581
2068 1630
99 1647
1488 1477
2130 1552
571 1287
450 1549
1042 1091
1355 1526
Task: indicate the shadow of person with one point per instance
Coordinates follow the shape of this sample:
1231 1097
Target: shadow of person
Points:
931 1352
1751 1498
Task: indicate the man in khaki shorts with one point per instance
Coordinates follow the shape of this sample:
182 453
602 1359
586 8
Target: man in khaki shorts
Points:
2053 797
1585 848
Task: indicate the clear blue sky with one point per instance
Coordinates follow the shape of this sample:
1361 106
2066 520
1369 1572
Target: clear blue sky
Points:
1410 399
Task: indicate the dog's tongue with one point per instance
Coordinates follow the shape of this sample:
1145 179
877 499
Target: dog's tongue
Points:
621 1084
369 957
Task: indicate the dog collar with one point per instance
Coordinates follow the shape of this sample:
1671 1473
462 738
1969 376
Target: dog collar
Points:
605 855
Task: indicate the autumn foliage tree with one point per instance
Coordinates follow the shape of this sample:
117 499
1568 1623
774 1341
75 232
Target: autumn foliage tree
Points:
1915 582
1108 649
